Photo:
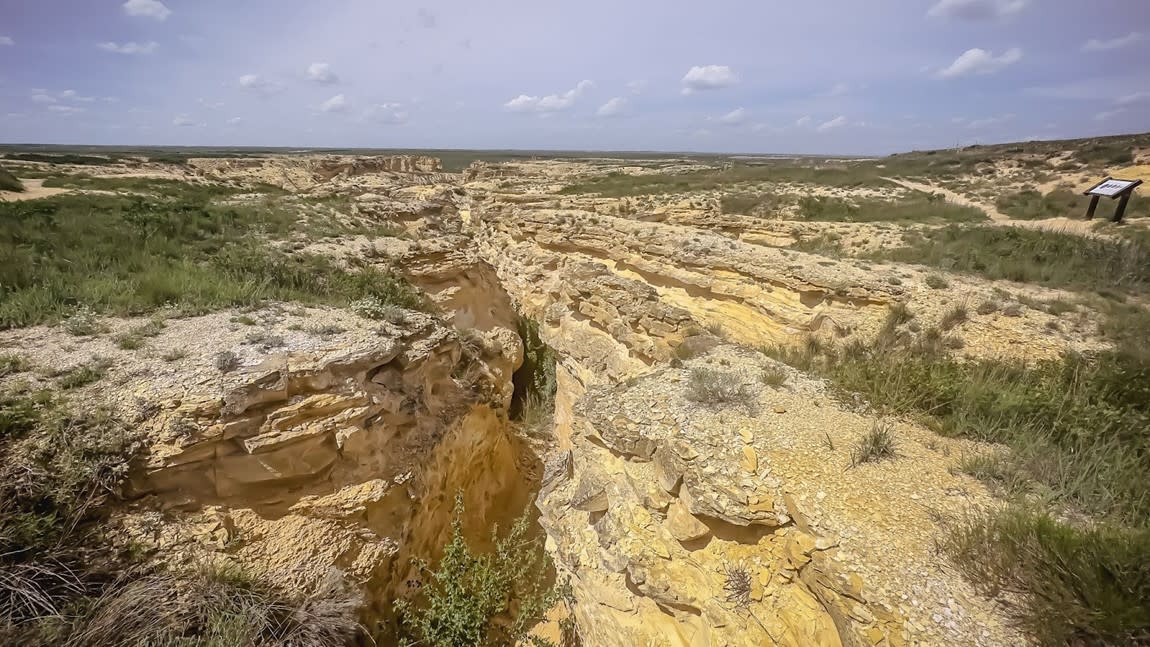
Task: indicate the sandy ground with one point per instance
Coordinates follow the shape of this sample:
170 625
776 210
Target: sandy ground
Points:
33 189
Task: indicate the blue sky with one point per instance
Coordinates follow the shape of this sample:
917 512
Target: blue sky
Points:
834 76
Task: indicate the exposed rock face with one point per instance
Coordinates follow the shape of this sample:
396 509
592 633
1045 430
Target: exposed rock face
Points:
311 172
348 458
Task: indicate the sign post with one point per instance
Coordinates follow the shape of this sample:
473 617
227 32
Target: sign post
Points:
1111 188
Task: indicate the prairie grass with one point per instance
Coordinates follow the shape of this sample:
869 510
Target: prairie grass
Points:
1076 432
129 255
1047 258
916 208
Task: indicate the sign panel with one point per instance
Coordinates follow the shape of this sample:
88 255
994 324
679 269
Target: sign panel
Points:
1111 187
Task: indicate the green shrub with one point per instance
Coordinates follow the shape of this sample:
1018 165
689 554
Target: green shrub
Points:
12 364
474 599
84 374
936 282
1070 585
8 182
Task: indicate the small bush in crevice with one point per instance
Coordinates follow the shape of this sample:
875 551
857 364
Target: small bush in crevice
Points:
737 585
473 598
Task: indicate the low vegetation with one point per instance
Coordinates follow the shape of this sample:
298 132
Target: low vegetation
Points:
1052 259
1075 429
875 445
128 255
619 184
917 208
1030 204
8 182
63 582
712 386
492 598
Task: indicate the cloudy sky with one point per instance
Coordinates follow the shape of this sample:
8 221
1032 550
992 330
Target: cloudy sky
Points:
833 76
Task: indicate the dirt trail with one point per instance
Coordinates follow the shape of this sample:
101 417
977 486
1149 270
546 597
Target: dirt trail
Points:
1067 225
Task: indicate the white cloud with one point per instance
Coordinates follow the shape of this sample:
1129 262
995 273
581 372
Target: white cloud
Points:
147 8
708 77
837 122
386 113
636 87
185 121
65 110
257 83
214 105
7 40
976 9
980 61
235 120
734 117
613 108
130 48
1136 97
338 103
803 121
321 73
1096 45
1107 114
41 97
549 103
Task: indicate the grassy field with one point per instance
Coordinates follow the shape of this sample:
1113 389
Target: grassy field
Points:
1076 429
131 254
1047 258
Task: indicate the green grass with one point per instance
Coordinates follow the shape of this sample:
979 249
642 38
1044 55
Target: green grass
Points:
751 203
65 158
474 598
1071 586
1048 258
128 255
8 182
621 185
1078 448
917 208
1032 205
875 445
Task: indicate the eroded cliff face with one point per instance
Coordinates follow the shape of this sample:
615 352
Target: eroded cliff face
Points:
683 523
346 457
